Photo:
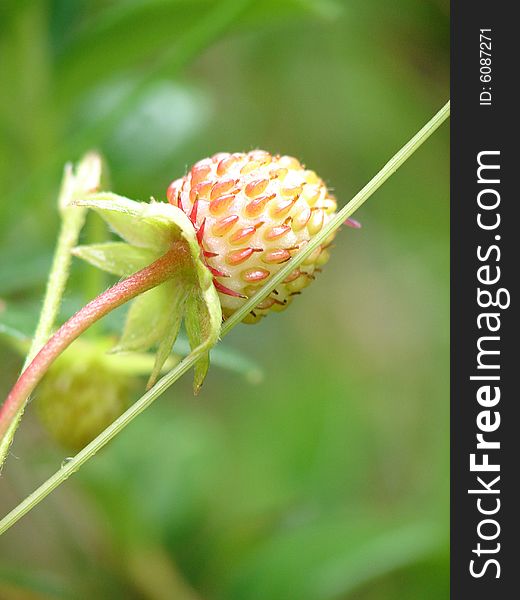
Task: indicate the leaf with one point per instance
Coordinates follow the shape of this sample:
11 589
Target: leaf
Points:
18 320
147 319
117 258
19 274
169 35
17 582
329 558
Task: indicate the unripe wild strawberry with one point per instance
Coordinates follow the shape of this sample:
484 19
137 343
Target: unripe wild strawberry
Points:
80 396
252 212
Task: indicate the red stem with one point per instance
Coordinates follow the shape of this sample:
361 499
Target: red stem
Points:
142 281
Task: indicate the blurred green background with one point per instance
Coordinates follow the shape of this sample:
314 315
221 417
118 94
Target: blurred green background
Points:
329 478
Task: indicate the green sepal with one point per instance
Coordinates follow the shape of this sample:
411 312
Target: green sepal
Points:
203 317
136 363
175 310
153 225
147 320
155 316
117 258
201 320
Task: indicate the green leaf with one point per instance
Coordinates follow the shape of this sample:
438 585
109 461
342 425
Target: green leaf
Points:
32 584
331 557
117 258
18 320
17 274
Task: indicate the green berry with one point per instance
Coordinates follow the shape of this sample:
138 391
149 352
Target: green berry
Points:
78 399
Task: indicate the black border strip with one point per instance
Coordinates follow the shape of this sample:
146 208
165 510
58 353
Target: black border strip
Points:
484 128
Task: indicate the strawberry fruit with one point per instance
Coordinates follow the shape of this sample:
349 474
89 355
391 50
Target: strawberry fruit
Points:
252 212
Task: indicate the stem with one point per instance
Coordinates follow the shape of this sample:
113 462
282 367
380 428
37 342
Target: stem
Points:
72 222
142 281
95 232
73 219
362 196
86 179
71 466
165 382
